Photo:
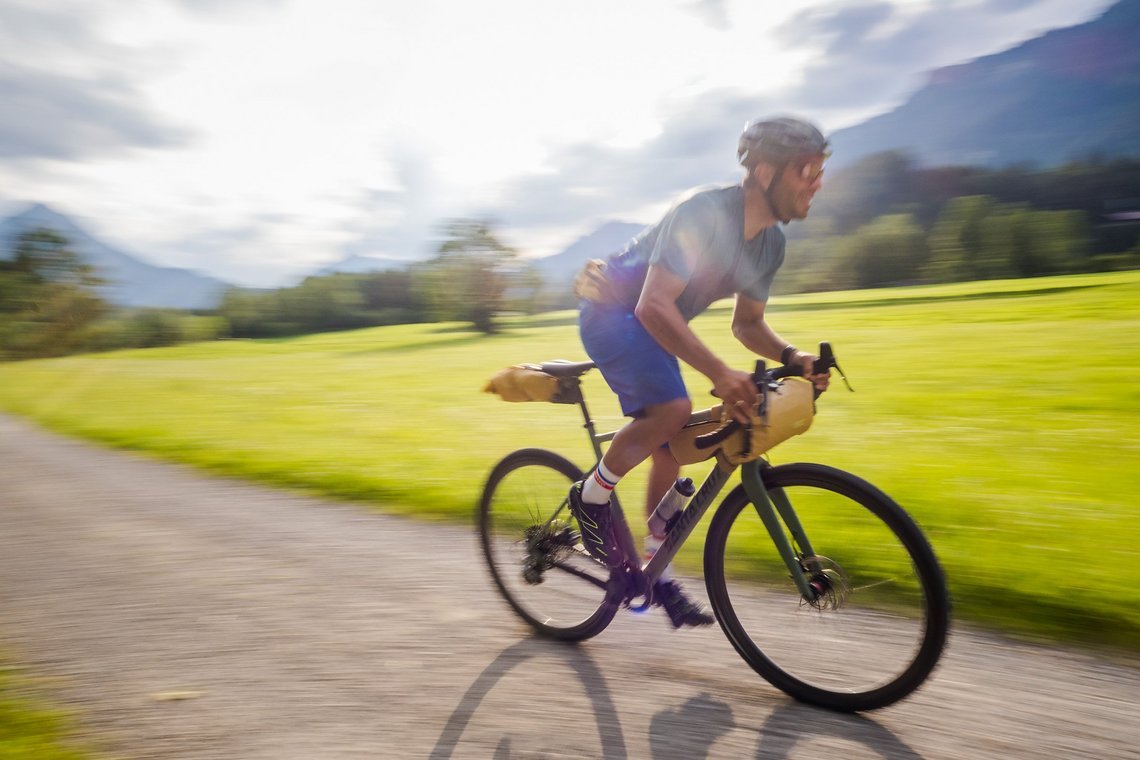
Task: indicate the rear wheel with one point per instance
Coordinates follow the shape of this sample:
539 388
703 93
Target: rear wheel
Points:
878 620
534 551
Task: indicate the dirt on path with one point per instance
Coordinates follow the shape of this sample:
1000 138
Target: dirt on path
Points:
188 616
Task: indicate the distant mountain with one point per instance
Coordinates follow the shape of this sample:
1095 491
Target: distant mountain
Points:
361 265
1062 96
131 282
609 238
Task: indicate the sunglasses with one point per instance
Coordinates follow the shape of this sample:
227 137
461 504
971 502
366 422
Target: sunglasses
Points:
811 171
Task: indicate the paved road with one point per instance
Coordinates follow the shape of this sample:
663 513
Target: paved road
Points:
186 616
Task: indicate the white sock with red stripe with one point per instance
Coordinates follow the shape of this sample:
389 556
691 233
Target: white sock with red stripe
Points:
599 485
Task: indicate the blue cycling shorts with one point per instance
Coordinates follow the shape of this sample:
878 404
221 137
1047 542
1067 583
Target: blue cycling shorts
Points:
633 363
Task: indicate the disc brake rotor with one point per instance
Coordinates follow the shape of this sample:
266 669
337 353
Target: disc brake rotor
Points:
828 582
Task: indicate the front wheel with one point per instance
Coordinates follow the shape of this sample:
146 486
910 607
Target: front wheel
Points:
534 550
877 625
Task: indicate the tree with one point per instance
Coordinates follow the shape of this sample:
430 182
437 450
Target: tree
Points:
526 290
467 280
891 250
1063 244
319 304
391 296
47 297
878 184
956 241
978 239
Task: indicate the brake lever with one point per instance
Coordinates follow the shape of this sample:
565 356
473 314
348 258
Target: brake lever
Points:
826 361
843 377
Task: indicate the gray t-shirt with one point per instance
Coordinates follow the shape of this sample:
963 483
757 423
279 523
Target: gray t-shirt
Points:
701 240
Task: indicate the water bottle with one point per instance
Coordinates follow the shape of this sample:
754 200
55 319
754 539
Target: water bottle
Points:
670 506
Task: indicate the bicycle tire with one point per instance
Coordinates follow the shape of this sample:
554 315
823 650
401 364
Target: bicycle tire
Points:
885 638
572 598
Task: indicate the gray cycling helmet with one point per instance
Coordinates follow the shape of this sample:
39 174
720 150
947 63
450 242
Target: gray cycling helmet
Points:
777 141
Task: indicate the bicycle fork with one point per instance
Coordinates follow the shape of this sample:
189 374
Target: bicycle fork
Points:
773 506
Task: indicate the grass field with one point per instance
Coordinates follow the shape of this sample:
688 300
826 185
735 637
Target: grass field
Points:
30 730
1002 415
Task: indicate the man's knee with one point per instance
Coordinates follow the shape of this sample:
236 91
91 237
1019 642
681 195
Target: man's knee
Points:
671 416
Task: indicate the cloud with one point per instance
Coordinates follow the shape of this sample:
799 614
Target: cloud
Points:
226 7
875 53
43 115
712 12
1008 6
68 93
62 93
696 145
399 222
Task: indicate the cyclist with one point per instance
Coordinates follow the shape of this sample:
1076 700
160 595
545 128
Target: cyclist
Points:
635 311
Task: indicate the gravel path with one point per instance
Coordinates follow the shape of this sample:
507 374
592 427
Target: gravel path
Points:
186 616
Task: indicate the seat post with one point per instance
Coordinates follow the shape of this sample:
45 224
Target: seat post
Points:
590 428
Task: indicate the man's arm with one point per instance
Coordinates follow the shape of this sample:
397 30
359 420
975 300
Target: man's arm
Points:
751 329
658 313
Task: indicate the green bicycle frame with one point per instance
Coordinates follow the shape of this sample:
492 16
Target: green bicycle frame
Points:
753 479
772 507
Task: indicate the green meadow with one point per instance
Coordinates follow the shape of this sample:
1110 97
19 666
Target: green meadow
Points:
31 730
1003 415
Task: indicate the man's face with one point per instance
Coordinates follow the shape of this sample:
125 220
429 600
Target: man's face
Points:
797 186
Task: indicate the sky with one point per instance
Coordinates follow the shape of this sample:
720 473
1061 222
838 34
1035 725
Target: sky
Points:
259 140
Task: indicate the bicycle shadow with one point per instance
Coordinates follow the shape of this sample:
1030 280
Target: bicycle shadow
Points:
605 714
686 732
689 731
794 722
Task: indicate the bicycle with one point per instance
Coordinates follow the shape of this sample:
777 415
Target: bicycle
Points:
853 618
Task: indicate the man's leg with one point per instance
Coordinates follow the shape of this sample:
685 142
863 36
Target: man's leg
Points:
663 472
667 592
642 439
644 436
632 445
647 380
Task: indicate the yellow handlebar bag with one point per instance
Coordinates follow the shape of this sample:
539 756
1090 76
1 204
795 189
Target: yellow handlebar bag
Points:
788 411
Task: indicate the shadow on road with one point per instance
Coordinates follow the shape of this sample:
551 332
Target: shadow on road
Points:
793 723
609 727
689 732
685 732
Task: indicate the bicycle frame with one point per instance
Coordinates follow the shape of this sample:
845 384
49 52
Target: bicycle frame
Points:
774 512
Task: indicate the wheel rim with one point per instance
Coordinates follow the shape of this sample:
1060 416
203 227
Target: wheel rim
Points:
529 535
871 638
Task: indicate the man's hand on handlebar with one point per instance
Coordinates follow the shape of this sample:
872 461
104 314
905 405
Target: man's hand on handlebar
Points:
806 362
738 392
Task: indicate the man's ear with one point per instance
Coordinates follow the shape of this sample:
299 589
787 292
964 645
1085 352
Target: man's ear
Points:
763 174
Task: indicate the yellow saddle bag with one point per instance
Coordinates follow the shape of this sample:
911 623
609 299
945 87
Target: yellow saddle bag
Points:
527 382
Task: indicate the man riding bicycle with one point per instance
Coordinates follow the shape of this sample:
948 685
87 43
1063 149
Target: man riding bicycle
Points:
635 312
